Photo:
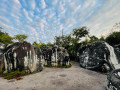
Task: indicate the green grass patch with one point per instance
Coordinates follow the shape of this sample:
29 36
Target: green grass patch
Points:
13 75
59 66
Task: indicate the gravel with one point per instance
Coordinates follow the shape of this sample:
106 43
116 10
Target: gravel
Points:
74 78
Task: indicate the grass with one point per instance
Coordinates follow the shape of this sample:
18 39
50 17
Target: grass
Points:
59 66
13 75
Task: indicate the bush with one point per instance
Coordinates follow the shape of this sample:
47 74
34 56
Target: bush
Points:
113 39
14 74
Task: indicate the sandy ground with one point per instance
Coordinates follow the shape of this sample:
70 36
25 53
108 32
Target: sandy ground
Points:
74 78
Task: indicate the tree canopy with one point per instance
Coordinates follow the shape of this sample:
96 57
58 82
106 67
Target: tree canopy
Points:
5 38
63 40
113 38
71 41
20 37
42 45
80 32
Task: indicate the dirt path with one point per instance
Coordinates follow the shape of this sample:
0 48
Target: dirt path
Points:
74 78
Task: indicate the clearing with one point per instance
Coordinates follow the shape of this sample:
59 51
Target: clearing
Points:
74 78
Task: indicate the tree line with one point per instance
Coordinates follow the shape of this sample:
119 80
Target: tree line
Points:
71 41
75 40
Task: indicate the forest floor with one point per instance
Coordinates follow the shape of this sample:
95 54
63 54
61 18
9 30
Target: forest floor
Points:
74 78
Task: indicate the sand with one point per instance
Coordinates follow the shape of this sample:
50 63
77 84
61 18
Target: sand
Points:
74 78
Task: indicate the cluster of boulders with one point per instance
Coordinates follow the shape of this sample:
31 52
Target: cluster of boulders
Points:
24 56
103 57
96 56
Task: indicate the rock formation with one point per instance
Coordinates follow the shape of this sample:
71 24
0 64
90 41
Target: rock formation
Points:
21 56
24 56
2 47
113 80
56 56
101 56
98 56
113 77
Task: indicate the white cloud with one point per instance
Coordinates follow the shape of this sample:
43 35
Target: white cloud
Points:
41 21
27 15
43 4
4 19
32 4
17 2
77 9
61 27
51 15
55 2
89 3
101 23
61 8
33 33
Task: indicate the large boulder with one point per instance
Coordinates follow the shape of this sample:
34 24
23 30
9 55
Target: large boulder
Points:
22 56
98 56
113 79
2 47
56 56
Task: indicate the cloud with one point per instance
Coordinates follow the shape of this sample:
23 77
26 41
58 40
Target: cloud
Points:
89 3
17 2
102 22
43 4
61 8
45 19
4 19
32 4
27 15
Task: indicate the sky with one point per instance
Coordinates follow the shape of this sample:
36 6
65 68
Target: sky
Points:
44 19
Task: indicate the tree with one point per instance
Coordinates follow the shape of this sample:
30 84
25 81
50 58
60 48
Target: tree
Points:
85 42
80 32
20 37
42 45
71 41
36 44
93 39
113 38
5 38
49 44
102 38
63 41
58 40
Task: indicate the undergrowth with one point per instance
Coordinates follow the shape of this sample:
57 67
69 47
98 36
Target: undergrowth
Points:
59 66
13 75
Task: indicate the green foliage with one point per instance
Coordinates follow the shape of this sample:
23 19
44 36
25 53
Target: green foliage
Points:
102 39
80 32
42 45
73 48
113 38
93 39
63 41
14 74
85 42
5 38
49 44
71 42
36 44
59 66
20 37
